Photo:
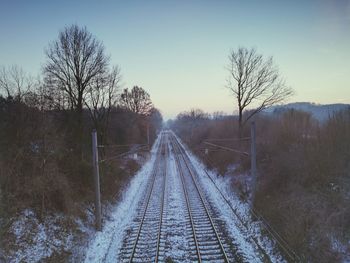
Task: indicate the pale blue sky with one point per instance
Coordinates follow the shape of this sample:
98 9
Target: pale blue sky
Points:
177 50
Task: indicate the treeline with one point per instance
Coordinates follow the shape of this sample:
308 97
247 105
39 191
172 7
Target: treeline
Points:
46 124
303 173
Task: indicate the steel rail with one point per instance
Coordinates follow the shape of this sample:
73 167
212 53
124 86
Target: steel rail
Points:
177 163
279 240
266 257
154 174
163 201
202 200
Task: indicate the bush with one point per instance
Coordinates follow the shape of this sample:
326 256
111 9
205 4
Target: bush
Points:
304 175
41 167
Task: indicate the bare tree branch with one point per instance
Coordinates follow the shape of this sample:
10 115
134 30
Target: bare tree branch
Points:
15 82
74 61
254 80
137 101
102 97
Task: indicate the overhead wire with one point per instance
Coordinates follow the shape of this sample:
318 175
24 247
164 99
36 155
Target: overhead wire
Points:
131 151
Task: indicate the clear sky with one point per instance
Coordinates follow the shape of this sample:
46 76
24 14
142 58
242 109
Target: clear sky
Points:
177 50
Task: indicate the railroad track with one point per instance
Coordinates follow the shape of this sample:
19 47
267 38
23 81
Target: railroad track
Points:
145 242
209 242
235 257
146 239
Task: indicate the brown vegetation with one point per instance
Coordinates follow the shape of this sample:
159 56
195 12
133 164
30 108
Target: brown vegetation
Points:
45 131
303 181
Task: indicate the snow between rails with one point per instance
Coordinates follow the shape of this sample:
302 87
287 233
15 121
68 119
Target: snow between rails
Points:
106 244
242 236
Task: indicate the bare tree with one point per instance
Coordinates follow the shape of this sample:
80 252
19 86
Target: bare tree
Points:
14 82
74 61
193 115
254 80
102 97
137 101
193 119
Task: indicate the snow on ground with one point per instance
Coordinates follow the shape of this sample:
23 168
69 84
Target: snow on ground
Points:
49 237
43 239
239 232
106 244
34 240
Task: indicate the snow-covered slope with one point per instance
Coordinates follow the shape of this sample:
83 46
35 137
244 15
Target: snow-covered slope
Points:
318 111
105 245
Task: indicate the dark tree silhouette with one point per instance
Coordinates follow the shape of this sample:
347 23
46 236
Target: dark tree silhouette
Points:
136 100
75 61
102 96
193 119
256 81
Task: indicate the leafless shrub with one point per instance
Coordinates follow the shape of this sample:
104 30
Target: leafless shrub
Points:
303 184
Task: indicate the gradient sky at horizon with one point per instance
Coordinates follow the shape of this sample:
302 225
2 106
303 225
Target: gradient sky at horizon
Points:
177 50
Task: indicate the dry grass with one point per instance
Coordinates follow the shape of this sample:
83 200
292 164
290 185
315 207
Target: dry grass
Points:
304 176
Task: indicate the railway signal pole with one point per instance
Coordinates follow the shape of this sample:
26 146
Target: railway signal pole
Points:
96 181
148 134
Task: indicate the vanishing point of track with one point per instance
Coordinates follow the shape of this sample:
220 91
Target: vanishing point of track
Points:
146 239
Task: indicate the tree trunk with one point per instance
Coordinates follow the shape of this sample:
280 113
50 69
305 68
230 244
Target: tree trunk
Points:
240 124
79 127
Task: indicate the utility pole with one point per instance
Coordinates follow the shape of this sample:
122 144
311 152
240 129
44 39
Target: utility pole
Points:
148 135
253 157
96 181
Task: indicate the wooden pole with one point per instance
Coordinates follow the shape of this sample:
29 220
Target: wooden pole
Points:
253 158
96 181
148 134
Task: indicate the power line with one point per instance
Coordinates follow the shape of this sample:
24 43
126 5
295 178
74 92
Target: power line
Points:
226 148
124 154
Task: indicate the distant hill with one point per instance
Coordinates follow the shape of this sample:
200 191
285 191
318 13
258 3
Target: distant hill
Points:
320 112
